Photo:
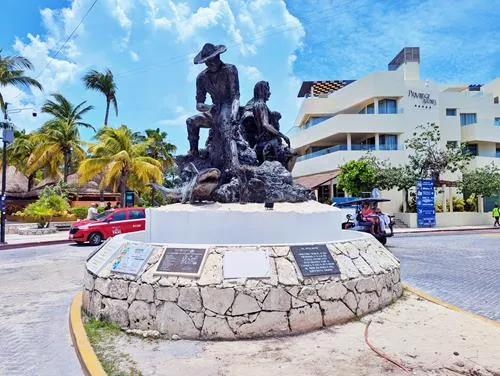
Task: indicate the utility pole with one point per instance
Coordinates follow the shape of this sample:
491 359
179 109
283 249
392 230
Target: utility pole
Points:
3 213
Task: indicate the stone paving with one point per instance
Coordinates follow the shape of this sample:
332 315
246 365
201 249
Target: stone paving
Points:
38 285
460 269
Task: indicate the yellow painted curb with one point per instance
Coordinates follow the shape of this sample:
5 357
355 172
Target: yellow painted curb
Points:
449 306
88 359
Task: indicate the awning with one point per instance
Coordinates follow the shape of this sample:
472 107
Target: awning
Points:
315 180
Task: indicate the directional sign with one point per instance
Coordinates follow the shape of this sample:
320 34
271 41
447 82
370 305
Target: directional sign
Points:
426 213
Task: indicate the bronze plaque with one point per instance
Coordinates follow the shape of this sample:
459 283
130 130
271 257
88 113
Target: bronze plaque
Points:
182 261
314 260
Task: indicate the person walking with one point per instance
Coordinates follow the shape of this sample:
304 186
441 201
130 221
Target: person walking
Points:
496 214
92 212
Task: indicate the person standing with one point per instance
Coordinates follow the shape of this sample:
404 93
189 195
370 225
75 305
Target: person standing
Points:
92 212
496 214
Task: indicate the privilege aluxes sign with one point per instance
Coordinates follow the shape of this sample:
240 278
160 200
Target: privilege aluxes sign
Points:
424 97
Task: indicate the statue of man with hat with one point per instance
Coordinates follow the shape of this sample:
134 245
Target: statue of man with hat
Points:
220 81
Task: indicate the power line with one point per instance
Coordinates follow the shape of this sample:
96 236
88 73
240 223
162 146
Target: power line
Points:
65 42
261 35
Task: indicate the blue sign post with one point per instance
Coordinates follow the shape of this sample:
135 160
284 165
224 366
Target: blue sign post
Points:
426 213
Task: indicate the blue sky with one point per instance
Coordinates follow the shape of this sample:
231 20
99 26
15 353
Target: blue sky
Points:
149 45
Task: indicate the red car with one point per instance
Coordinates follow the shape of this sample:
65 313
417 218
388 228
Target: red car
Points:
107 225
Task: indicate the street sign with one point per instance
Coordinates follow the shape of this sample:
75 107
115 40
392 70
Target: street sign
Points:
426 213
129 199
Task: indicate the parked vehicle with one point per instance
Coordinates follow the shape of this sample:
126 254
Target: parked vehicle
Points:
107 225
357 224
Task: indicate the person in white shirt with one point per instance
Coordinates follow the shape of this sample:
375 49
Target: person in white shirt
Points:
384 219
92 212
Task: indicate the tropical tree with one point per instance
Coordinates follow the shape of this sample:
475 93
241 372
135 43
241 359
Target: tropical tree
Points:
63 110
58 144
12 73
481 182
19 153
159 148
122 163
105 84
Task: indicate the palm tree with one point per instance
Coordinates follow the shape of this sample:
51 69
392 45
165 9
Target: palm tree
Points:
12 73
19 153
105 84
62 109
159 148
123 163
58 143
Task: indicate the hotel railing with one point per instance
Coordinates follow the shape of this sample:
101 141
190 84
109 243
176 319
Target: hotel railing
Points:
343 147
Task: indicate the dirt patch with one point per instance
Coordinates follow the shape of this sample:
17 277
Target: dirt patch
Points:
427 338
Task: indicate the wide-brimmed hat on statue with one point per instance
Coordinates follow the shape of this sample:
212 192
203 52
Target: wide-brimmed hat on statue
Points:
208 52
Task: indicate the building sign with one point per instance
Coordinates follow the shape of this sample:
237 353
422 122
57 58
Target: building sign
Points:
425 98
129 199
426 213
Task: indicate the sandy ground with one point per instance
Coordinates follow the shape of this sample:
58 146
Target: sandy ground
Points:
425 337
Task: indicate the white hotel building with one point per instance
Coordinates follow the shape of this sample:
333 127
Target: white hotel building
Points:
340 120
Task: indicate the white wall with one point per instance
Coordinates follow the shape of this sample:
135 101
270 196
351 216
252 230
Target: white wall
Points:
450 219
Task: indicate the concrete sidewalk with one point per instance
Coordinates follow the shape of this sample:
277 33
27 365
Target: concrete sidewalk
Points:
14 239
402 230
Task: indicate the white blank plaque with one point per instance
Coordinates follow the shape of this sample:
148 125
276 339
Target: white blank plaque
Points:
246 264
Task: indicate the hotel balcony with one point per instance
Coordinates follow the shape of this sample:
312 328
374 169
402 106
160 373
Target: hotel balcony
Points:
481 131
333 157
348 123
480 161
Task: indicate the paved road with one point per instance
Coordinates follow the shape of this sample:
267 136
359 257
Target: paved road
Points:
460 269
37 285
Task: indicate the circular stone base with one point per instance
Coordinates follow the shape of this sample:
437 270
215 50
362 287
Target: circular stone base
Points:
211 307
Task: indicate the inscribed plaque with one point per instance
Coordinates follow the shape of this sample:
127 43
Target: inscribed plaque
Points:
102 255
246 264
181 261
131 258
314 260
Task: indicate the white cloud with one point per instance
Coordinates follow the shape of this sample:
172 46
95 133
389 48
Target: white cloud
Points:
178 121
134 56
250 72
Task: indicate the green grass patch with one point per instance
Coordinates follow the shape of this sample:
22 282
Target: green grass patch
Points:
101 335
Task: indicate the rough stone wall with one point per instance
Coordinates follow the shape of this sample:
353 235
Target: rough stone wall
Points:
212 307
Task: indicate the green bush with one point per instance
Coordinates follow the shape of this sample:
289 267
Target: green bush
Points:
80 212
47 206
458 204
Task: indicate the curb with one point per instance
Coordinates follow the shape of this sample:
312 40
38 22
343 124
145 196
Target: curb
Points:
448 230
431 299
86 355
8 246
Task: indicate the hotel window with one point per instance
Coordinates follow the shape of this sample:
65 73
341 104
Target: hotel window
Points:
495 100
387 106
370 109
497 121
451 112
471 148
497 154
315 120
466 119
388 142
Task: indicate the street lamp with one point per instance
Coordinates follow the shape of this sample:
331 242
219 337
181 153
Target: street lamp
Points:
7 138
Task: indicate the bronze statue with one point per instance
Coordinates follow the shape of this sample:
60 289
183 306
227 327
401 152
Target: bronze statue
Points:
220 80
244 157
261 129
